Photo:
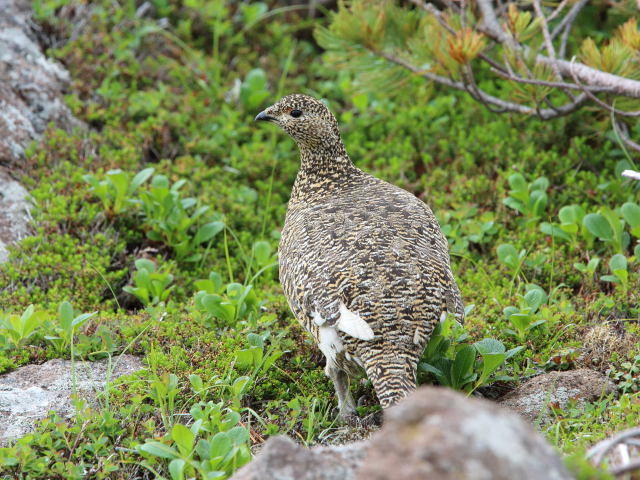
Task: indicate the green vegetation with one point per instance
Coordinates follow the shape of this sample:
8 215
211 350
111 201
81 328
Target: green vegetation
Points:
155 233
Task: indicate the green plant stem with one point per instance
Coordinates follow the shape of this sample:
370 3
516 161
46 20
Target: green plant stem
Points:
226 253
107 283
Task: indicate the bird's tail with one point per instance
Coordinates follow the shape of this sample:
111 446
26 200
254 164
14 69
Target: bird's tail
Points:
393 378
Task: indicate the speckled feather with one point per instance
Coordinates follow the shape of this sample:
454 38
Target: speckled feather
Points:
357 249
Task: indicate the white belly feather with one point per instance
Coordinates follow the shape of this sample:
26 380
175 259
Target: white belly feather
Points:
350 323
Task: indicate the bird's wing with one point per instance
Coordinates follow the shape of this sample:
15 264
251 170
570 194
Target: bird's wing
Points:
365 275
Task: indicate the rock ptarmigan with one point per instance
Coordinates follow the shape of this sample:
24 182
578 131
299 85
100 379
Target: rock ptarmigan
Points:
364 265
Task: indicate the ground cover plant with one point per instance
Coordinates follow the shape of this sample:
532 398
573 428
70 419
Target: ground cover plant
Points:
156 229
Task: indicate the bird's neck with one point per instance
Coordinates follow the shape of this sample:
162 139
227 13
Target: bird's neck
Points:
322 170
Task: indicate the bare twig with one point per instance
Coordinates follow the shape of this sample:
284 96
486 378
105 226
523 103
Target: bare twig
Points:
568 20
568 23
547 38
599 450
491 23
475 92
557 11
623 451
500 104
595 99
623 132
516 78
627 468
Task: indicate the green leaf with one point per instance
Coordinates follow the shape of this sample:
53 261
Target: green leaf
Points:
618 262
220 445
81 319
216 279
160 181
183 437
598 226
253 12
145 264
178 185
537 323
631 213
514 204
462 365
141 177
517 183
262 252
520 321
142 278
120 180
508 255
554 231
159 450
593 264
571 214
513 351
255 340
361 101
253 90
207 231
538 202
196 382
610 278
244 358
238 435
214 306
490 363
65 312
540 184
489 346
535 298
176 469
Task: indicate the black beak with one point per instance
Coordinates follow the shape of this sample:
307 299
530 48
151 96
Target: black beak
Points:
263 116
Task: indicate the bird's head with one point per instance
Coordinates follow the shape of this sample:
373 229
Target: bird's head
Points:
307 120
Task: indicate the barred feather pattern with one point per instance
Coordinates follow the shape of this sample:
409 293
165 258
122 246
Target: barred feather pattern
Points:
364 265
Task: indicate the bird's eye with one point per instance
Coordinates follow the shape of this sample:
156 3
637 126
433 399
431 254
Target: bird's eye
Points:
296 113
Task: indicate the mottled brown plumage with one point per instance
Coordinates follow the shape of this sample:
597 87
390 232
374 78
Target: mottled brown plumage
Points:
363 263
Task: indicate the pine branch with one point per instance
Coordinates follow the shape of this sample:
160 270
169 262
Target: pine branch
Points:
590 76
485 98
461 41
587 75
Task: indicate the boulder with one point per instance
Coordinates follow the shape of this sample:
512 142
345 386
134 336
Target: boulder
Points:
14 213
31 85
32 89
30 392
534 398
440 434
434 433
283 459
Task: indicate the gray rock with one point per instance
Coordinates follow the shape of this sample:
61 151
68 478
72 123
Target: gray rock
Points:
31 96
283 459
533 398
14 213
440 434
435 433
31 85
30 392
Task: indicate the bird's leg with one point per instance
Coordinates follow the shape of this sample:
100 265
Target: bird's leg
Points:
346 405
